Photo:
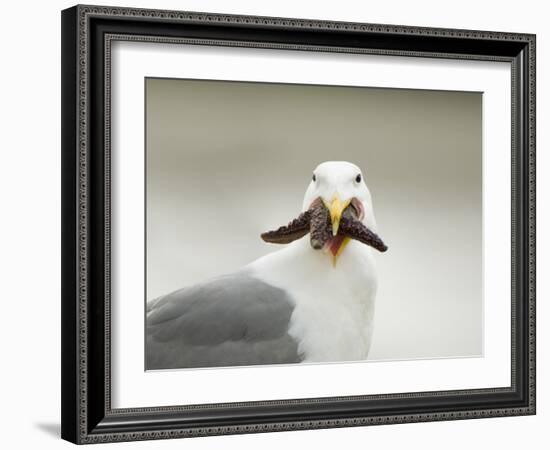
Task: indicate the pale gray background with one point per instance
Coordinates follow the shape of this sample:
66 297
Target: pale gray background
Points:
228 160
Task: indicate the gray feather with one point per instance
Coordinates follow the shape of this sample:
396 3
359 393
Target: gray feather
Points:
229 321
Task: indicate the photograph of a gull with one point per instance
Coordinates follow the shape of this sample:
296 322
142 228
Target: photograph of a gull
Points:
310 301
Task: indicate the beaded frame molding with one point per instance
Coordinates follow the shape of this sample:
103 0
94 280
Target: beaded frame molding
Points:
87 34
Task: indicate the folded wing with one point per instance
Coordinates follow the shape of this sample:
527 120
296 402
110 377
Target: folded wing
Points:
230 321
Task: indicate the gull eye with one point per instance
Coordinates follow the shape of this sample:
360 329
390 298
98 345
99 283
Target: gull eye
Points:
358 178
314 178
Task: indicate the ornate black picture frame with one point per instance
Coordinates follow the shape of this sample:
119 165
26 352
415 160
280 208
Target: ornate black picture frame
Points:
87 34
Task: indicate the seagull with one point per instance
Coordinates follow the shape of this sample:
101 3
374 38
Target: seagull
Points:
310 301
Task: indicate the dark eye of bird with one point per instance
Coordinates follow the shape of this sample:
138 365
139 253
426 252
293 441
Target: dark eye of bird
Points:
314 178
358 178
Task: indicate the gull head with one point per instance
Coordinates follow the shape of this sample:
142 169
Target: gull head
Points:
337 207
340 184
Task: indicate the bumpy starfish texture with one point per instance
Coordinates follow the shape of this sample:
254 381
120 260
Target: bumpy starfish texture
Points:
285 234
316 221
319 226
358 231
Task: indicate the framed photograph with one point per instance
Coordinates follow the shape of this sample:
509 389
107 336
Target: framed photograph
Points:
277 224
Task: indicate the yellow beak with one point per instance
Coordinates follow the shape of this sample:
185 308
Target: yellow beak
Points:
336 208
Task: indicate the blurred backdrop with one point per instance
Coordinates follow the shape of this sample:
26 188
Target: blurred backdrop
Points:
226 161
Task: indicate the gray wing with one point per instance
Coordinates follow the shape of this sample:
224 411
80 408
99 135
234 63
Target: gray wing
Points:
230 321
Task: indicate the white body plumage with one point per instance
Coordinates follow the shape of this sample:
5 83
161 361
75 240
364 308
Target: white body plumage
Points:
334 305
